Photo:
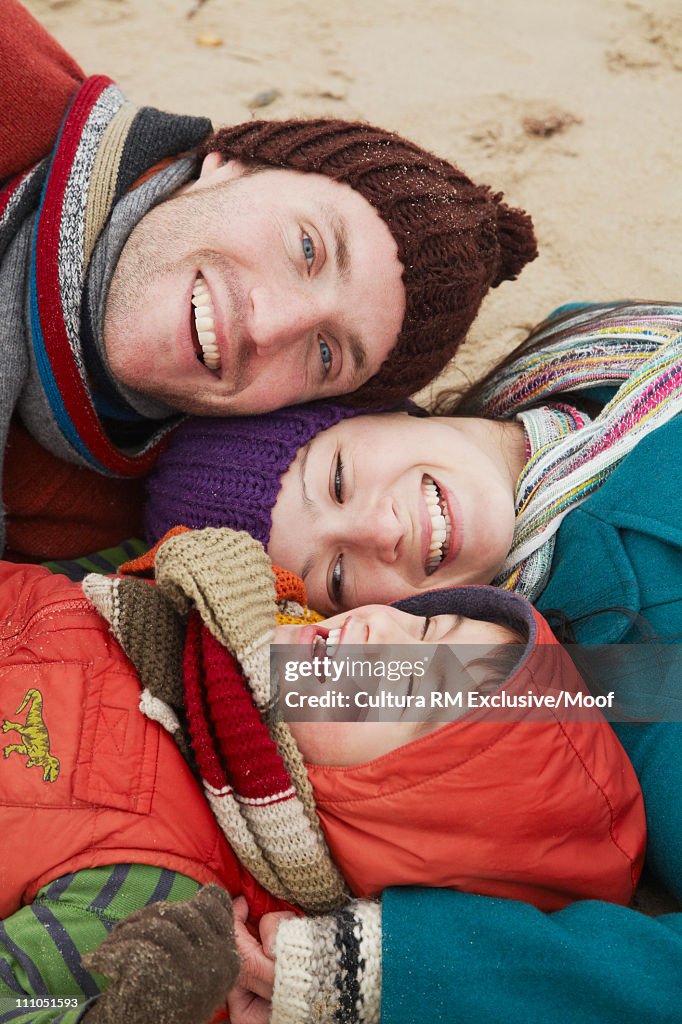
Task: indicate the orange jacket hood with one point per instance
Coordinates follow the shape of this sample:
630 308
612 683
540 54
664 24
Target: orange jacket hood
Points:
540 808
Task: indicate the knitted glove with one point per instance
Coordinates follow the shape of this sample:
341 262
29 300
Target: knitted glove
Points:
170 962
328 969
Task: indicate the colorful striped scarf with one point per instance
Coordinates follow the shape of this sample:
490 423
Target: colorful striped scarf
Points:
104 147
636 347
199 641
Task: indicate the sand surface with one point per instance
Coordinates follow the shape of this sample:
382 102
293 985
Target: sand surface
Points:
572 109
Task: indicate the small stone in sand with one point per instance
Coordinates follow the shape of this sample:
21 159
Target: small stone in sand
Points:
208 39
264 99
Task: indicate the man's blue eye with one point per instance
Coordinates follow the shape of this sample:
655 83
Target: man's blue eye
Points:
308 249
325 356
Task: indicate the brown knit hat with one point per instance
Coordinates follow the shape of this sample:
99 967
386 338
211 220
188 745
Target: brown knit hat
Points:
455 239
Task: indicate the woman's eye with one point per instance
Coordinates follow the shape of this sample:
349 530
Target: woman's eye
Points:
337 580
325 356
338 480
308 250
427 623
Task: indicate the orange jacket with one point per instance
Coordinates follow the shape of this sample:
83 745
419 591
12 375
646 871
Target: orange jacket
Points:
537 806
85 779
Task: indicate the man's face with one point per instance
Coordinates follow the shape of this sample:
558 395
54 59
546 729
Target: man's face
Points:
288 285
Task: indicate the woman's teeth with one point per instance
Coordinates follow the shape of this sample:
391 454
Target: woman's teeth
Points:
441 526
204 319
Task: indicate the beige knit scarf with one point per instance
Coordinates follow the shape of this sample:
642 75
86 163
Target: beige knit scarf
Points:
218 586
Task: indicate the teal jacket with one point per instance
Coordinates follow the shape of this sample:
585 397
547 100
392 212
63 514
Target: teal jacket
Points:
448 956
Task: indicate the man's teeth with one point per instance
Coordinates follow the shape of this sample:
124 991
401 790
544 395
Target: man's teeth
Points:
440 523
204 319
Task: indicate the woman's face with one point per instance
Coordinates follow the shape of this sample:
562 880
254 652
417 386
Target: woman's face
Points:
343 743
379 507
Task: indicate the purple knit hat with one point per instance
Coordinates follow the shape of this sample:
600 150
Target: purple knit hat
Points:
227 472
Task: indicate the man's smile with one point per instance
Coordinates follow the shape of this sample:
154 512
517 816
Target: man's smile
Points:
202 324
243 297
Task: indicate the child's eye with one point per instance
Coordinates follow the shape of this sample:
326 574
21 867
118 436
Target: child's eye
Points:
308 250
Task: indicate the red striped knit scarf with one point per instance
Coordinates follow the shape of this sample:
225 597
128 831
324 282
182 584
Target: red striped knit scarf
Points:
104 146
200 643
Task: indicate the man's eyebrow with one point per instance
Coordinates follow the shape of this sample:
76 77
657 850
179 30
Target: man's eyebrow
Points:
342 256
358 354
341 244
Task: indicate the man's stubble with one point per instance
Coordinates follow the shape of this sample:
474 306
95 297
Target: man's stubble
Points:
143 262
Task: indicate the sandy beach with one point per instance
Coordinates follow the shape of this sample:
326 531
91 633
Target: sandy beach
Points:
572 110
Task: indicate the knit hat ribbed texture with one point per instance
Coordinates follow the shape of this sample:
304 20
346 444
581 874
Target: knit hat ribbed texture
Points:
227 472
455 239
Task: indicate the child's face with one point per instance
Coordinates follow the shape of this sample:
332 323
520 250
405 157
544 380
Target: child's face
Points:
342 743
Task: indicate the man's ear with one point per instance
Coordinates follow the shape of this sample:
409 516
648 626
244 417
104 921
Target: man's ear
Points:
215 170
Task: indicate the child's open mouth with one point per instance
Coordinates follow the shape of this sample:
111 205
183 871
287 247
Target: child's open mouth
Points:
325 644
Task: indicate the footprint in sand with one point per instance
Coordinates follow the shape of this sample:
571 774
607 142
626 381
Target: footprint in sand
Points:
653 39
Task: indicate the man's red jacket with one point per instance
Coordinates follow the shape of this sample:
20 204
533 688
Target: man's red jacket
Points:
37 81
54 509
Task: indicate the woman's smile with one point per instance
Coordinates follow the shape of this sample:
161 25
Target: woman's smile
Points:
442 525
382 505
